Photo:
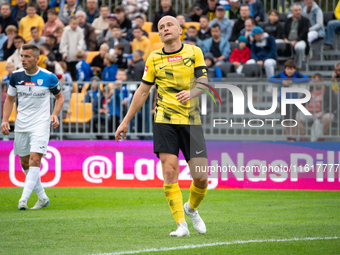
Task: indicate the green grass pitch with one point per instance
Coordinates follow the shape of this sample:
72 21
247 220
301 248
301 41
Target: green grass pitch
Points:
111 220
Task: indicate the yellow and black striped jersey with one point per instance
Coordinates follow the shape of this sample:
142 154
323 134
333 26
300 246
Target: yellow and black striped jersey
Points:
172 73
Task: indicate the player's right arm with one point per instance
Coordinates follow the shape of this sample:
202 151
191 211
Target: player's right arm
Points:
8 107
138 100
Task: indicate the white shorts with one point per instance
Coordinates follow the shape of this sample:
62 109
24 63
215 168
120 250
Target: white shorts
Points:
27 142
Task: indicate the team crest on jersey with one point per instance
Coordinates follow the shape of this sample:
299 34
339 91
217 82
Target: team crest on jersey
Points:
40 82
188 61
177 58
30 84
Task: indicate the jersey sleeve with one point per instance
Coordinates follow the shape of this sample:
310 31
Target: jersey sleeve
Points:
200 67
54 84
12 89
149 75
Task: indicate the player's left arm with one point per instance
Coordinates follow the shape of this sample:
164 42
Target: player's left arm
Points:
201 79
56 91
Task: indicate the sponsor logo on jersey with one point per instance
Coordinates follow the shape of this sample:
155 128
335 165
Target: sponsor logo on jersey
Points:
177 58
145 71
40 82
30 84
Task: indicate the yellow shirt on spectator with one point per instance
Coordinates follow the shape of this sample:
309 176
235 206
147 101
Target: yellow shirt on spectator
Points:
25 26
144 45
337 11
41 62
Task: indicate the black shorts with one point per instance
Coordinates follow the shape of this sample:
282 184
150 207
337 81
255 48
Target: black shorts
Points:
170 138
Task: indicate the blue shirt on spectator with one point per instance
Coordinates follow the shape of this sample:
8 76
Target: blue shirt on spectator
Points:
109 73
84 71
3 39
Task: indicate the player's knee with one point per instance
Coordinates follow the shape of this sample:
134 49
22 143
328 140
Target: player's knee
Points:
25 165
35 160
201 181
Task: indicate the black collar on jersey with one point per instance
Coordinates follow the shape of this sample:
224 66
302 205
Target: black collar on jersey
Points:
170 53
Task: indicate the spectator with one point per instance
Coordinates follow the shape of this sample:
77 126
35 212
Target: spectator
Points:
263 51
8 46
52 23
15 58
333 27
124 23
141 42
285 79
19 10
135 8
249 24
117 38
6 19
69 9
191 40
43 60
256 9
240 55
234 11
42 9
57 5
121 92
121 62
213 71
336 77
45 48
323 106
225 24
181 21
92 10
110 69
315 15
217 45
31 20
192 32
301 3
106 35
59 33
84 71
239 24
37 40
210 11
67 75
164 10
204 32
137 65
295 32
102 107
101 23
71 41
3 39
92 90
54 46
272 26
196 13
98 61
88 31
139 21
10 69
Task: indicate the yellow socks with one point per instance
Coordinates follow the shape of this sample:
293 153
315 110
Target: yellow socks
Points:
173 195
196 196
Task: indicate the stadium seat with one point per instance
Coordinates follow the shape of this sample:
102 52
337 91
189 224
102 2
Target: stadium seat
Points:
233 45
227 68
75 87
328 16
157 46
81 115
91 55
3 67
85 87
252 70
285 51
195 24
154 38
147 26
77 98
3 74
13 114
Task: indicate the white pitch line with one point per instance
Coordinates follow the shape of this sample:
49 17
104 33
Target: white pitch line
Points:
193 246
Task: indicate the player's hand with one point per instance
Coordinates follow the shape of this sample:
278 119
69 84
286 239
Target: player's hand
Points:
123 127
183 96
5 128
54 120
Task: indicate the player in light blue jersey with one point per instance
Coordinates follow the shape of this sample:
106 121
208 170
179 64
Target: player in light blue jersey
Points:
33 86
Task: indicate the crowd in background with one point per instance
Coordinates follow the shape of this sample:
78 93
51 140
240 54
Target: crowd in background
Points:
229 32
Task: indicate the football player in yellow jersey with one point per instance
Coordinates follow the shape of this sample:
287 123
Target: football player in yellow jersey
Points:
179 72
